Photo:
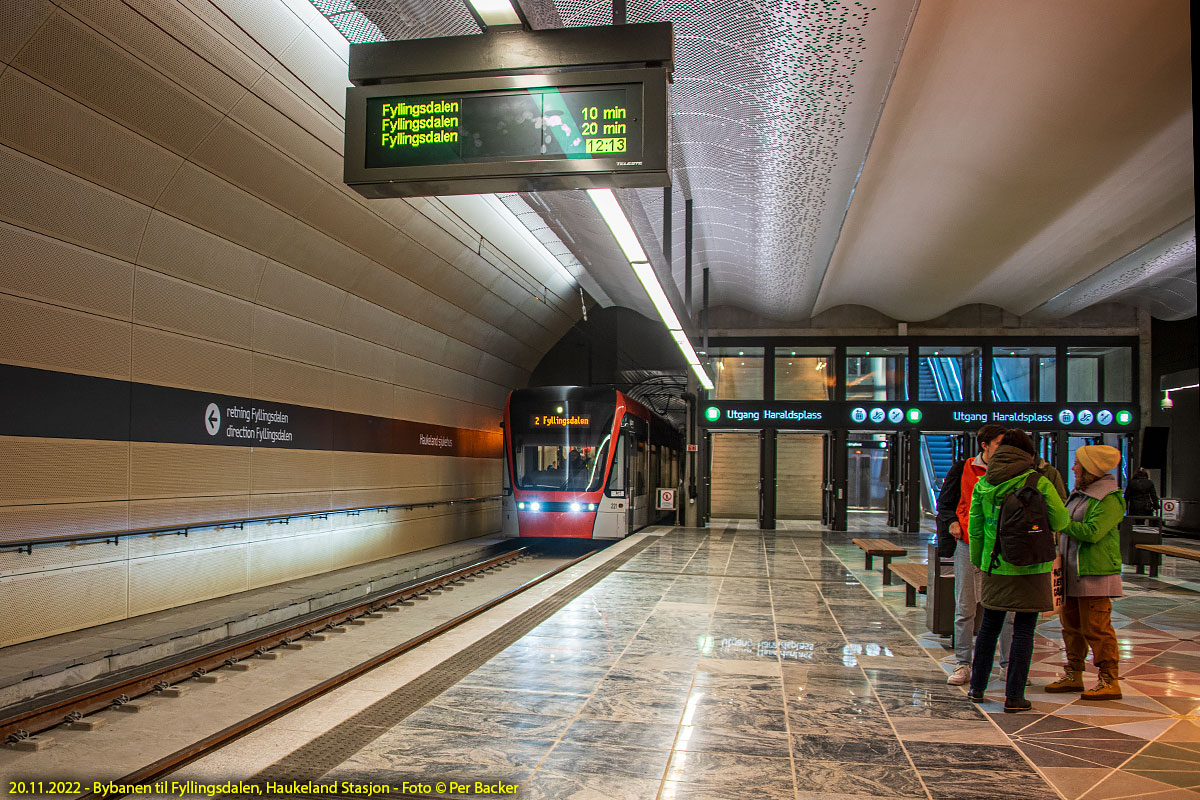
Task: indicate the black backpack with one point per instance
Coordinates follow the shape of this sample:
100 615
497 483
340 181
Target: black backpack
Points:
1023 535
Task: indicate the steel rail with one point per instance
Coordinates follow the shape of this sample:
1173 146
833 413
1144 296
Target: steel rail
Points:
28 721
184 756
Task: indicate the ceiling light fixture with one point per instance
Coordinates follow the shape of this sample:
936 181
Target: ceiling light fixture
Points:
650 283
495 13
606 203
1167 402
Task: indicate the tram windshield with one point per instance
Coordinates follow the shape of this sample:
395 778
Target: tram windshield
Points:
563 446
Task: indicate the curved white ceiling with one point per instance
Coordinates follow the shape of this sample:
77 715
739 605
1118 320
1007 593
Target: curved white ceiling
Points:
1024 147
909 157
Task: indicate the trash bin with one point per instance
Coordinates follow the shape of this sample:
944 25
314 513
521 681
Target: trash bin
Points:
1131 536
939 594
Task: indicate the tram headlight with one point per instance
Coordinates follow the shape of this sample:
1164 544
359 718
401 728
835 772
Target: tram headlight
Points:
535 506
576 507
521 506
591 506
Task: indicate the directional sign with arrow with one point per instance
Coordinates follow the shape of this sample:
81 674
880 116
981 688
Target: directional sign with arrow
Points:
212 419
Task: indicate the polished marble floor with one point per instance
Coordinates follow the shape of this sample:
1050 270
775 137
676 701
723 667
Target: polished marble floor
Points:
737 663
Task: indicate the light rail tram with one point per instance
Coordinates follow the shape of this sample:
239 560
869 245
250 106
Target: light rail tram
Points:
585 463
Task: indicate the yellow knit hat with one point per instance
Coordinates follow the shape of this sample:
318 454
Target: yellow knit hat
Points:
1098 459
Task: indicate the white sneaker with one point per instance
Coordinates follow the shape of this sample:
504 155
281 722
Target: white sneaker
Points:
961 674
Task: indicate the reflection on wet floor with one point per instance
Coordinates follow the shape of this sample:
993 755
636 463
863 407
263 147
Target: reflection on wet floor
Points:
733 662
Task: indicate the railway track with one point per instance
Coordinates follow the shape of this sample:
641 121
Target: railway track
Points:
27 719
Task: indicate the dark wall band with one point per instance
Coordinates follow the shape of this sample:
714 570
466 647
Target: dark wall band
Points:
61 405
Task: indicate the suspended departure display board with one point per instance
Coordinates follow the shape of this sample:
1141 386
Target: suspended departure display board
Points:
514 133
510 110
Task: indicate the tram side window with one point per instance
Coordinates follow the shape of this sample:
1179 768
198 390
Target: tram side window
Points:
616 478
597 465
643 456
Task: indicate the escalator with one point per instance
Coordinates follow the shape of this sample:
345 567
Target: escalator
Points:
939 380
937 450
1000 381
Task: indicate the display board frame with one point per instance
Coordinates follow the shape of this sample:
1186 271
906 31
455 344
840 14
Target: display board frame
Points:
650 104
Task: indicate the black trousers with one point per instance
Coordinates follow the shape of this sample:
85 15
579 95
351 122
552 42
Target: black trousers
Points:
1019 655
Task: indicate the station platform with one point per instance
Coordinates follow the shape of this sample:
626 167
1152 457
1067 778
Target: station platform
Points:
726 662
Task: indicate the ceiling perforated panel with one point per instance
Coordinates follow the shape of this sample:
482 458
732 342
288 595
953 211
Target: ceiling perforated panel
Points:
772 108
1159 276
385 20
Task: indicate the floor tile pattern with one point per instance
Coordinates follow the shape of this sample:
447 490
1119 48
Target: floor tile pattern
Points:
1146 745
731 662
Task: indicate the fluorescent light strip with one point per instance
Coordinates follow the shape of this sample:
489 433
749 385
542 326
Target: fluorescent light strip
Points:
622 231
495 12
693 360
662 305
610 209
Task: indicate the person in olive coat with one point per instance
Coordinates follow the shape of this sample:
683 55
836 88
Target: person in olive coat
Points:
1024 590
1091 549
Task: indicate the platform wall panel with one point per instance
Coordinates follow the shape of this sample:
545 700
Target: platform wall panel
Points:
170 359
176 579
40 267
189 228
55 590
45 603
44 336
37 471
171 304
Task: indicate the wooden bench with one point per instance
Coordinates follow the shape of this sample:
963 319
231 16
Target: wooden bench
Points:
885 550
1190 553
915 576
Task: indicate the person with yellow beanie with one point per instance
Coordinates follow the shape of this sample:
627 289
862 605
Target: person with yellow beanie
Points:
1091 549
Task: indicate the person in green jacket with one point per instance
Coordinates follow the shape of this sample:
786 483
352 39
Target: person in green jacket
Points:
1091 549
1025 591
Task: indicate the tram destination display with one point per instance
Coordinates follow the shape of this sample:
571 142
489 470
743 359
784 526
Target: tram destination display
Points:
512 133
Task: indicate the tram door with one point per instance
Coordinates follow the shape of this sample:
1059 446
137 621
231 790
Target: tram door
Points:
734 475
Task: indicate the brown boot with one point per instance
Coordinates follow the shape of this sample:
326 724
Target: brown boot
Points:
1108 688
1071 681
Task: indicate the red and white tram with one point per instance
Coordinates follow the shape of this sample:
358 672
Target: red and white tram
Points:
584 462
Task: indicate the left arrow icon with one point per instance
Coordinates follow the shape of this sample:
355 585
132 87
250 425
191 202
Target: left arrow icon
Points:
212 419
